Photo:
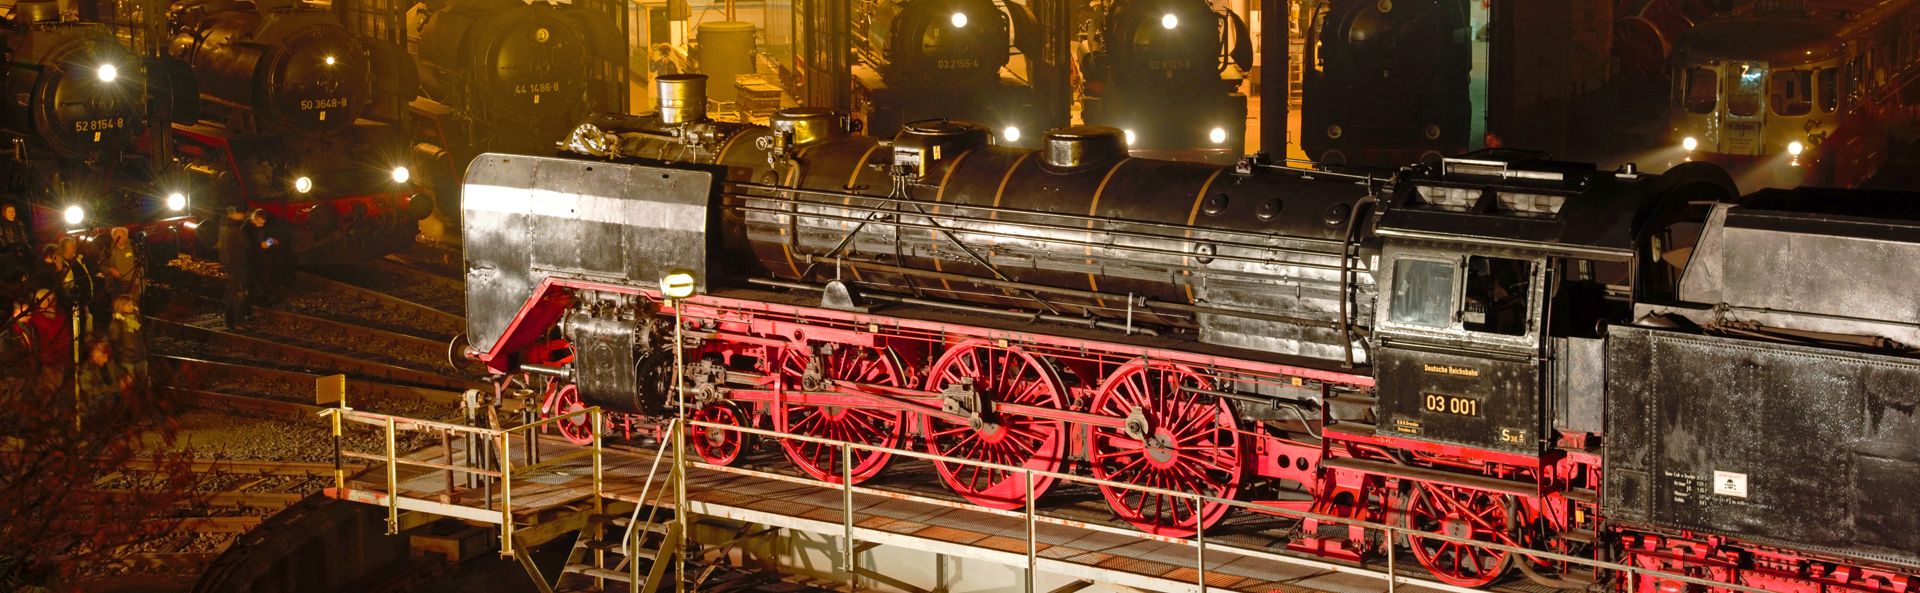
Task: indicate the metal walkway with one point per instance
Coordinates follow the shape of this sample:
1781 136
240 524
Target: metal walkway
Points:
1078 539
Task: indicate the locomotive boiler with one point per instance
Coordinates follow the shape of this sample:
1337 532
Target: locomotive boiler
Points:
919 59
1162 57
285 89
505 76
76 100
1500 348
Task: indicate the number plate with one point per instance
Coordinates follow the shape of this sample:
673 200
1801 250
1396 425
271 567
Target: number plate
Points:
1451 404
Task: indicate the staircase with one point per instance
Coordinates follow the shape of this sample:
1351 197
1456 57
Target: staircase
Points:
612 554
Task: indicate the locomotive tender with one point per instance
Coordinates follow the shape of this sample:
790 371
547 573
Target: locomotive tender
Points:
1502 348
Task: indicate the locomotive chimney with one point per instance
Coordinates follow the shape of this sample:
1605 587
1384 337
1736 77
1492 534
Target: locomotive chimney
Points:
683 98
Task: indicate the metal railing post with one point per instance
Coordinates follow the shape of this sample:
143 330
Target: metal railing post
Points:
598 469
339 456
1393 571
846 507
1630 574
393 481
506 493
1200 543
1033 547
681 513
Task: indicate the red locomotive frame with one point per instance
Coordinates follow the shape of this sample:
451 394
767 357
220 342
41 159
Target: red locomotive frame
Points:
1064 394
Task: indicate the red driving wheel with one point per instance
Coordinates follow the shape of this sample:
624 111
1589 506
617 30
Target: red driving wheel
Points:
1178 440
866 426
1463 513
1000 376
566 401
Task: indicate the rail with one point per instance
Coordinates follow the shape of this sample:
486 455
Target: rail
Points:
1032 518
496 470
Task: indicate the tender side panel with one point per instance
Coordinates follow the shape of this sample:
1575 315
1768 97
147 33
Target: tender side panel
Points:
528 218
1808 447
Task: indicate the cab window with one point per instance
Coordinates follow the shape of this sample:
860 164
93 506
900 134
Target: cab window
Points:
1829 89
1792 93
1496 295
1744 90
1701 95
1422 293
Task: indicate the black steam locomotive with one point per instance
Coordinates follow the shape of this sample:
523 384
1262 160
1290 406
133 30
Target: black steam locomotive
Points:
1501 348
1386 82
285 90
77 99
1160 57
505 76
943 58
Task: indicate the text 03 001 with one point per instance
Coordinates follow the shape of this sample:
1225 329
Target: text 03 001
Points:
1452 404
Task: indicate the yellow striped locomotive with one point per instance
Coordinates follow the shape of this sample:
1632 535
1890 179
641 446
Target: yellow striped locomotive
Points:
1501 349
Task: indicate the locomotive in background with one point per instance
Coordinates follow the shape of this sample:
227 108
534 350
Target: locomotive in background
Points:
1500 348
1157 58
506 76
919 59
1386 83
300 118
77 100
1790 96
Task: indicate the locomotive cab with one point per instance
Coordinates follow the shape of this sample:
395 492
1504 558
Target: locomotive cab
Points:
1498 270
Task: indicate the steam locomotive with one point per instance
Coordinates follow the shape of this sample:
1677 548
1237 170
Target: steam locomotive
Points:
285 88
930 58
1756 90
1158 57
77 100
1502 348
505 76
1386 82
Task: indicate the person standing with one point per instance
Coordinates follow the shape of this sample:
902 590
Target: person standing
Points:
77 284
16 248
124 333
121 267
236 249
270 261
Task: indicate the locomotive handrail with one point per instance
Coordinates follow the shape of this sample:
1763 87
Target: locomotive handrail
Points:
1076 243
996 209
1136 300
1393 532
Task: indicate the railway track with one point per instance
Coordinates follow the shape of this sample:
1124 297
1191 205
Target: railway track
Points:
396 279
220 345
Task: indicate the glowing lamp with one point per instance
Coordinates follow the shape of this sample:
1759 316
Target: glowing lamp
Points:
176 201
1012 134
1217 135
1168 21
108 72
1689 144
959 20
677 284
401 175
303 184
1795 148
74 215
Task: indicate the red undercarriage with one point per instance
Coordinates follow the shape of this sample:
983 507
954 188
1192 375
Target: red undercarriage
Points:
1131 414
